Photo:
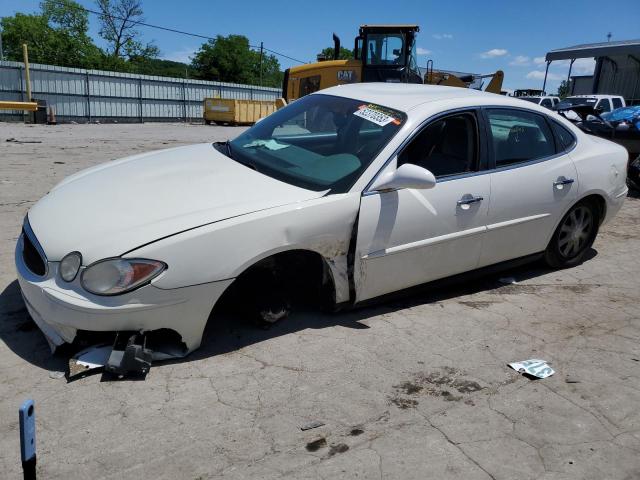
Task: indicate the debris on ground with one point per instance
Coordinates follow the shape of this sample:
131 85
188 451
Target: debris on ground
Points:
533 367
311 425
338 448
56 375
316 445
15 140
508 281
89 361
129 356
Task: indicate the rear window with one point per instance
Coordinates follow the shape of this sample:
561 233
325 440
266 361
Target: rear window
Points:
519 136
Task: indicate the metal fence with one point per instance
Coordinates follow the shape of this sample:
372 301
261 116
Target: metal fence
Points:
94 95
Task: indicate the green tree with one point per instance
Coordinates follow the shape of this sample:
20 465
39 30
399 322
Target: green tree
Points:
563 89
70 22
345 53
56 36
231 59
118 22
164 68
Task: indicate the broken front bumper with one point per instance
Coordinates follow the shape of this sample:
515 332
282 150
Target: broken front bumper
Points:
60 309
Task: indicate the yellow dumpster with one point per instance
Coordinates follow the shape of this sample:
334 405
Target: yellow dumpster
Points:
236 112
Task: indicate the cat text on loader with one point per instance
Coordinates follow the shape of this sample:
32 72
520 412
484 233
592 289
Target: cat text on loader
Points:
382 53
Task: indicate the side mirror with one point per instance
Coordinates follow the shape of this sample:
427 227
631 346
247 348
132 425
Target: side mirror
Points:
405 176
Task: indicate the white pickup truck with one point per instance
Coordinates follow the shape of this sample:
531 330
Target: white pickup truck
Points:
544 101
601 103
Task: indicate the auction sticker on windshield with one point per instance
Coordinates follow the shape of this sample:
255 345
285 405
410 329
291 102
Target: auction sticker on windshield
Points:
377 114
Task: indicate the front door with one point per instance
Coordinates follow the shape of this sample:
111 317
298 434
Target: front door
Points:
408 237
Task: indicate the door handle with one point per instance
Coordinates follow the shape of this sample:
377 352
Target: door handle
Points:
469 199
562 181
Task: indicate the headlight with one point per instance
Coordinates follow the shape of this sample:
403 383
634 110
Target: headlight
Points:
119 275
70 265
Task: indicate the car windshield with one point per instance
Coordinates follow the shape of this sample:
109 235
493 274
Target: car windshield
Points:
319 142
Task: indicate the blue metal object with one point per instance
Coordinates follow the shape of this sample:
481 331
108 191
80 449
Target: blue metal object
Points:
28 431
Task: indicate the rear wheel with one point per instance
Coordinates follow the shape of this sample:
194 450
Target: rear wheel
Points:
574 236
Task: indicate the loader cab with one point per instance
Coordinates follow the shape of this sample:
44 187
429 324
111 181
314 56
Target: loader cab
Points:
388 53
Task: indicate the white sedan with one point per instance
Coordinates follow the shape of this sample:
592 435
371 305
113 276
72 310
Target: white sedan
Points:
344 195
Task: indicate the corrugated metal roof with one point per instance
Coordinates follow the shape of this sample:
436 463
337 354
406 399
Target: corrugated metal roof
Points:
588 50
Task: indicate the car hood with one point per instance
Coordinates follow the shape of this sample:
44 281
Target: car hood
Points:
115 207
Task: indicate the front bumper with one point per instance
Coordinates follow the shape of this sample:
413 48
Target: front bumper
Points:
60 309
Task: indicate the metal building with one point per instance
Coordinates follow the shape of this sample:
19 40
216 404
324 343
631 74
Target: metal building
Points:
617 70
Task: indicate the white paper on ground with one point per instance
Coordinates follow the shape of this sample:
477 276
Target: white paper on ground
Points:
534 367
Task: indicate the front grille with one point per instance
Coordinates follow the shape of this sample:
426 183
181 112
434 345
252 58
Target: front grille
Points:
32 258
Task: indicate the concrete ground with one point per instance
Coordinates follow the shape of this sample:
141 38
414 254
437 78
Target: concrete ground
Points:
412 388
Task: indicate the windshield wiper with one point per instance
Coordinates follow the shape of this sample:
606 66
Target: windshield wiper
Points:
227 148
228 152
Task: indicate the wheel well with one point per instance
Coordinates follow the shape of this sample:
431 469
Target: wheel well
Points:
304 274
600 202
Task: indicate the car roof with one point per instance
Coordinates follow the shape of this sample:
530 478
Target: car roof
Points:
404 97
595 95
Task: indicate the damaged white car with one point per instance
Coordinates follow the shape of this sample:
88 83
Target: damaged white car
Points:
344 195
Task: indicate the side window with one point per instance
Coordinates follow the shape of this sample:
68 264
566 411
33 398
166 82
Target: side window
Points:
448 146
309 85
565 139
617 103
603 105
556 101
519 136
546 103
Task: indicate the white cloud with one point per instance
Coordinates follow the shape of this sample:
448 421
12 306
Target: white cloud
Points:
583 66
422 51
520 61
539 75
494 52
442 36
183 55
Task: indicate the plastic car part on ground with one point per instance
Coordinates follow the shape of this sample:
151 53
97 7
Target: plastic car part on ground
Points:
128 356
534 367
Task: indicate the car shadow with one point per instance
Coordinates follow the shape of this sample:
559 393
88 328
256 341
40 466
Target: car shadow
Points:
225 333
22 336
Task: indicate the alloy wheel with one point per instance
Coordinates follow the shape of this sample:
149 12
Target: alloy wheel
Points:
575 232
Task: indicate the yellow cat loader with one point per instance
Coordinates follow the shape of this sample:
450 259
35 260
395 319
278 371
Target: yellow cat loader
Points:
382 53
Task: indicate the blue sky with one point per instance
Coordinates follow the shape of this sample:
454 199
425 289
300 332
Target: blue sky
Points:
474 36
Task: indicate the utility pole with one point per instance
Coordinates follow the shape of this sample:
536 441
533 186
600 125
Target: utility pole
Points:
1 51
261 55
25 58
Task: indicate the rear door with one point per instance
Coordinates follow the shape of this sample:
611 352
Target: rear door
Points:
532 184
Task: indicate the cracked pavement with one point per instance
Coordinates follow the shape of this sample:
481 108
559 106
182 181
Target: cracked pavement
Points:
415 387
